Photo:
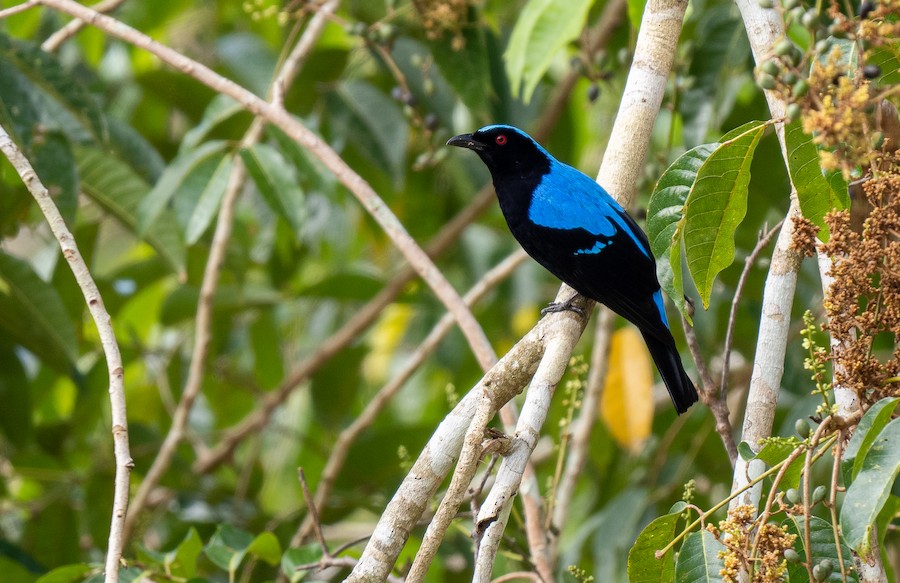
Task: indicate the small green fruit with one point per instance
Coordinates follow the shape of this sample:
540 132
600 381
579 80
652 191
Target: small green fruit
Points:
792 495
791 556
783 47
793 112
801 426
819 494
767 4
766 81
810 18
800 89
823 570
789 78
771 67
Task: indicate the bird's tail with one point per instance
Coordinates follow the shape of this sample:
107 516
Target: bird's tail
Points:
667 360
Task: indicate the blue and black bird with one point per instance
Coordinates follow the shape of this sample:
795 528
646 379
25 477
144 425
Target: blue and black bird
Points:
569 224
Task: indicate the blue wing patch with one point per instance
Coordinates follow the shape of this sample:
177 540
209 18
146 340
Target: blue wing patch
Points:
568 199
658 300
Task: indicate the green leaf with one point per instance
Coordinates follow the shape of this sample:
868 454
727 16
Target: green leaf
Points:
172 178
55 165
117 189
815 192
293 558
698 560
665 214
67 574
876 418
373 124
821 540
276 182
209 200
746 451
886 56
717 205
182 562
34 315
227 547
15 394
643 566
266 547
871 488
467 70
636 12
776 451
220 109
543 28
66 93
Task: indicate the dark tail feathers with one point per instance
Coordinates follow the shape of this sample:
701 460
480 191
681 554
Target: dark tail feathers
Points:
667 360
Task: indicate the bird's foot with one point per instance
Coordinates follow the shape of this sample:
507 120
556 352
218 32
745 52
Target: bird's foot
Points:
565 306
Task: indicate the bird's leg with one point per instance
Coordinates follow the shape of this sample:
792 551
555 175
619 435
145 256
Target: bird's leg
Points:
565 306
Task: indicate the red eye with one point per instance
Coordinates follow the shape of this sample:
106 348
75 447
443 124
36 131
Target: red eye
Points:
501 139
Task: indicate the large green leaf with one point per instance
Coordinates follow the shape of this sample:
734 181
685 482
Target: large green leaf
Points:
701 199
55 165
276 181
542 29
876 418
66 93
816 194
34 315
665 215
296 557
155 201
15 394
220 109
643 566
886 56
117 189
698 561
716 206
821 541
209 199
870 489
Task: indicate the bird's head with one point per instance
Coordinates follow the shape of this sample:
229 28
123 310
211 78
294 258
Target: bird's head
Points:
505 150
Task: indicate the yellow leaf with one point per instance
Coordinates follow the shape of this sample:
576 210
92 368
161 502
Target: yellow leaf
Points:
384 339
627 402
524 319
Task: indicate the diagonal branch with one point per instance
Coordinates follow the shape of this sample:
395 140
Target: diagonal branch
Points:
107 340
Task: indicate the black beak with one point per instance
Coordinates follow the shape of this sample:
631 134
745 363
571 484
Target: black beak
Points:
466 141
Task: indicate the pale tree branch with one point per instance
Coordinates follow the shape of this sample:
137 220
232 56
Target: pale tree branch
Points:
764 28
107 340
217 252
13 10
71 28
279 117
583 425
505 380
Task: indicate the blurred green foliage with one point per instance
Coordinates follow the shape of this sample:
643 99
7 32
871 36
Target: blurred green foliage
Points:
137 157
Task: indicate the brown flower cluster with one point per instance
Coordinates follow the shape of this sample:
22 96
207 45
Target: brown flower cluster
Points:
766 562
864 302
440 17
804 238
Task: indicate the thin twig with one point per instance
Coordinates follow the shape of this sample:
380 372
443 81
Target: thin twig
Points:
832 505
709 395
12 10
527 575
55 40
311 508
749 262
108 341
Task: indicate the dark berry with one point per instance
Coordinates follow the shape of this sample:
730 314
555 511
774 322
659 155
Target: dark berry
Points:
593 93
431 121
871 71
865 8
